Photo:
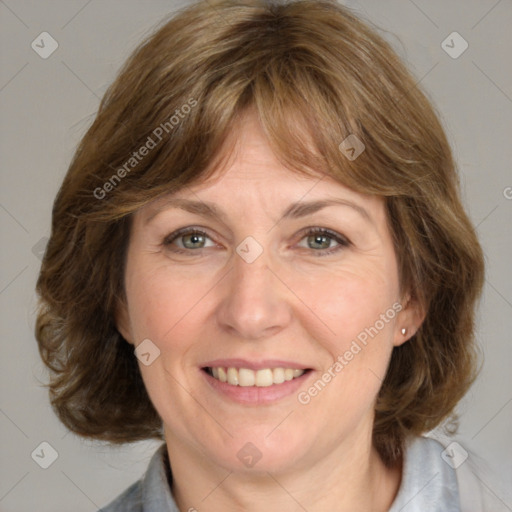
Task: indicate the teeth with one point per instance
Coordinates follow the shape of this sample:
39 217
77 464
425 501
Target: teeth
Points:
233 376
222 375
246 377
264 377
261 378
278 375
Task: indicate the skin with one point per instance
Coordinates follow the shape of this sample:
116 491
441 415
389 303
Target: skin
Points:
289 304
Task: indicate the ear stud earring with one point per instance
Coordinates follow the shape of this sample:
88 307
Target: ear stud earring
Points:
404 330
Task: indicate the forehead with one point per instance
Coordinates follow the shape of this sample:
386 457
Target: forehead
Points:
250 174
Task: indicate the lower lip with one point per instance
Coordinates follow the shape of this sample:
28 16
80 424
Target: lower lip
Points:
255 395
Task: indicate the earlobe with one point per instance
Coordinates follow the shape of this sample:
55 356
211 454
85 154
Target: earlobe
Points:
405 335
409 320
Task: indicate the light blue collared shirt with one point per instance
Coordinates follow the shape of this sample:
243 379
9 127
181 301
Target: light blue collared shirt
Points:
429 483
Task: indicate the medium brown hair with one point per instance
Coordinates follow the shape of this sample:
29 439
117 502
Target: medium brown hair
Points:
315 74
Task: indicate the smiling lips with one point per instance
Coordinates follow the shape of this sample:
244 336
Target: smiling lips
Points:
246 377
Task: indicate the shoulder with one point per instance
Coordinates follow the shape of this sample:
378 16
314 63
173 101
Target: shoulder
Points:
428 482
441 478
151 493
481 488
129 501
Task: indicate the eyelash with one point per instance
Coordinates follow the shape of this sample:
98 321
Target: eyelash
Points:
342 241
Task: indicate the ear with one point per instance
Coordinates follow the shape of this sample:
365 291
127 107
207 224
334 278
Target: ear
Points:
410 318
122 320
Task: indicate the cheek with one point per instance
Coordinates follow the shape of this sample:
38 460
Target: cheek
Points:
352 300
160 301
359 306
360 311
168 309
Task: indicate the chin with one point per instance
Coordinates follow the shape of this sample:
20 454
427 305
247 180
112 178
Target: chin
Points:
262 449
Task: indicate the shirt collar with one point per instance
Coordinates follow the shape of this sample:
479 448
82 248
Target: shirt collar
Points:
428 483
156 493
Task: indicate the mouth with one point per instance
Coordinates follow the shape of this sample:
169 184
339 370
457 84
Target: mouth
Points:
254 382
247 377
251 383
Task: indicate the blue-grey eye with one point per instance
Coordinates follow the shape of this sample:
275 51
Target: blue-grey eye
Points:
188 239
322 240
193 241
319 241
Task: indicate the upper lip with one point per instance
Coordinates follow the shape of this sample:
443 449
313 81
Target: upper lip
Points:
254 365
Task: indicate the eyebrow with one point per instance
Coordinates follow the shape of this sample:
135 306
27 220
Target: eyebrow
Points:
294 211
302 209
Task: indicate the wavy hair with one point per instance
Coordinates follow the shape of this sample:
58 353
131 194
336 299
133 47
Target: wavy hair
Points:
315 74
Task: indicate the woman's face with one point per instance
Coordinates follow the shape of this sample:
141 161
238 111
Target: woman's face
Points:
266 273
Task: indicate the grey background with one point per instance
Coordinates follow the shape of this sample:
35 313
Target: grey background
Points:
46 106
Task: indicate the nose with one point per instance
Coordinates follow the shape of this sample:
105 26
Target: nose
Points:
255 302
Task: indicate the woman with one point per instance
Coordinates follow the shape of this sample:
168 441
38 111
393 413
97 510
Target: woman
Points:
259 255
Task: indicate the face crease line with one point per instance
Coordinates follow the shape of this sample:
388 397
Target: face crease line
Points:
294 211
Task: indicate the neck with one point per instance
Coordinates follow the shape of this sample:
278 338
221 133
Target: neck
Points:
350 478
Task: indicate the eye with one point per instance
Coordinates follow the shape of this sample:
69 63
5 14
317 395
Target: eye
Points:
321 240
186 239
